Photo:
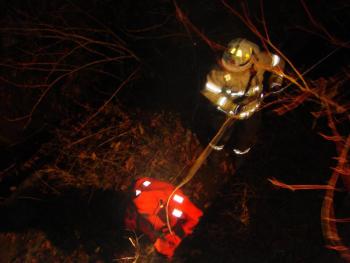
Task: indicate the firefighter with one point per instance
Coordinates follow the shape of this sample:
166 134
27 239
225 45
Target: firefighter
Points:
235 88
147 214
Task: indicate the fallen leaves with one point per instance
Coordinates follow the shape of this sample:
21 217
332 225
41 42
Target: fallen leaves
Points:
130 164
132 144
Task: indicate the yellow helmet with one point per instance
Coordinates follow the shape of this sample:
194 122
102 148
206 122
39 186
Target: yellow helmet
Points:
238 55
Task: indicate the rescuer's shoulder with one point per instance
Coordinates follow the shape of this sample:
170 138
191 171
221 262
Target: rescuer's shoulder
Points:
264 58
270 61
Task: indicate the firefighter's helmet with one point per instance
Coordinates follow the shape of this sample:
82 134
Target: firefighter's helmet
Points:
238 55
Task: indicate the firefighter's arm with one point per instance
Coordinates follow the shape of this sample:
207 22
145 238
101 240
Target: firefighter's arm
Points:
277 68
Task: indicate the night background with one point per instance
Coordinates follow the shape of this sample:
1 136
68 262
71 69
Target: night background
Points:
95 94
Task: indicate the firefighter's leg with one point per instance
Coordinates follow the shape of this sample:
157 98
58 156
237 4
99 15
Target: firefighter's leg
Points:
207 122
200 122
244 137
216 120
224 139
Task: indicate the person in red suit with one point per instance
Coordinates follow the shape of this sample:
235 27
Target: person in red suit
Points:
147 214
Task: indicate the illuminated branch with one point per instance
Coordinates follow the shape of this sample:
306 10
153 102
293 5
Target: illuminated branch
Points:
294 187
71 50
189 26
131 77
329 228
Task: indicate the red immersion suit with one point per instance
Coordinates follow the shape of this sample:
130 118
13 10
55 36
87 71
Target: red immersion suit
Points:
147 213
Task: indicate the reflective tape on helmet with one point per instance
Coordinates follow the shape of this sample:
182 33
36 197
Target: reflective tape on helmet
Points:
177 213
212 87
233 50
239 53
137 192
178 198
146 183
